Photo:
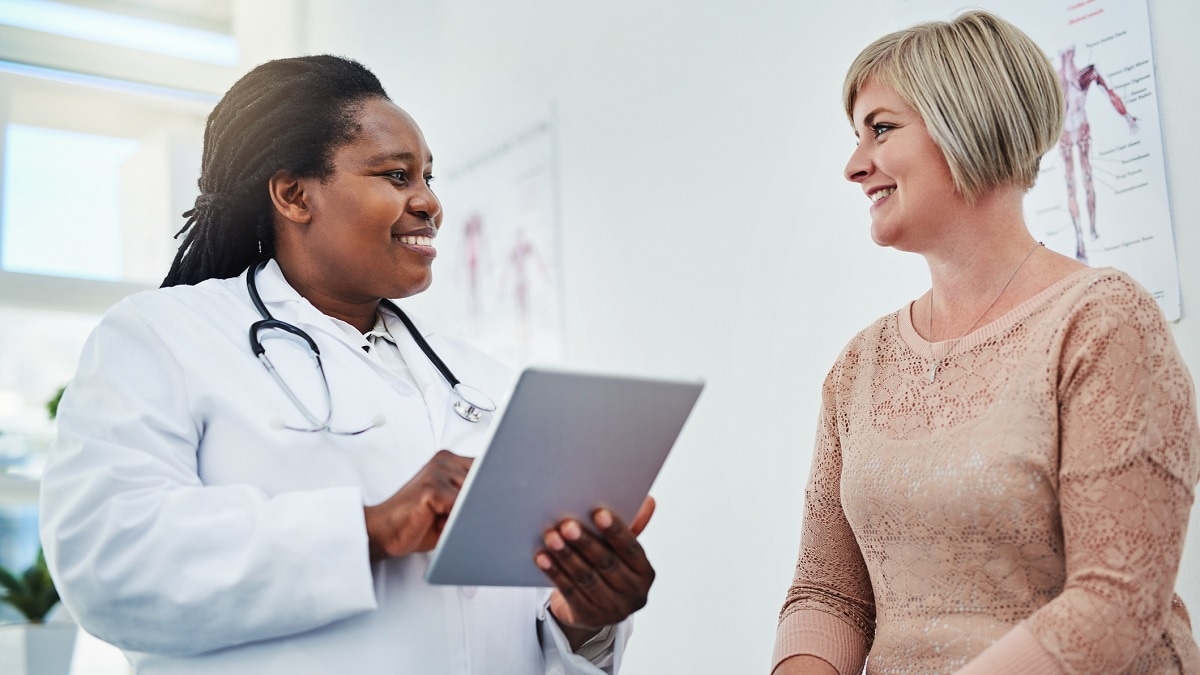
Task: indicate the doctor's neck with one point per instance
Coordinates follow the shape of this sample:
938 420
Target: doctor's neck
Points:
329 299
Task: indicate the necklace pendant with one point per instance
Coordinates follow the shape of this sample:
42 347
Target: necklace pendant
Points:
932 371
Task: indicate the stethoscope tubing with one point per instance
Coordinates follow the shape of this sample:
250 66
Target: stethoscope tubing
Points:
467 407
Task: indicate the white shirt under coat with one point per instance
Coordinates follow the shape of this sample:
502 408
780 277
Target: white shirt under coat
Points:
182 525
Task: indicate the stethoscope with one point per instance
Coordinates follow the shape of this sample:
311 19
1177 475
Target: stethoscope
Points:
470 406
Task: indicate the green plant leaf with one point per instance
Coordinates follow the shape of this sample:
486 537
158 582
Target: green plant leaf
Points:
52 404
33 593
32 578
9 582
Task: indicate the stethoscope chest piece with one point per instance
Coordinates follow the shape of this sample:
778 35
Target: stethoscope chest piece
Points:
472 403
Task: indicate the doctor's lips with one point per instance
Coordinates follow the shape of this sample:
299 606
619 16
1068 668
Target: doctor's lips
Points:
420 241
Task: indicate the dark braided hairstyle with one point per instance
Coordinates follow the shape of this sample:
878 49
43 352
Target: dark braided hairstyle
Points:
289 114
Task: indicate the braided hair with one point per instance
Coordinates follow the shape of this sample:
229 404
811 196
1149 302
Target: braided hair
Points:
289 114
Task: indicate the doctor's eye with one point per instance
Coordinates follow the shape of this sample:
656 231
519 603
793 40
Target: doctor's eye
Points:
398 176
429 179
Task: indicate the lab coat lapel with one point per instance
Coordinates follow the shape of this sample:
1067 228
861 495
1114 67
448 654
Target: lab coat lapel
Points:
433 386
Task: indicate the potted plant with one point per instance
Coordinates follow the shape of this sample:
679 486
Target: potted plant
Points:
32 593
34 647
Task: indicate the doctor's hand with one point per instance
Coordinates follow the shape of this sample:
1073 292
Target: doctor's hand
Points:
412 519
599 580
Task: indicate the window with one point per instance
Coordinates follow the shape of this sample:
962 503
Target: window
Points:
101 127
94 178
102 107
62 202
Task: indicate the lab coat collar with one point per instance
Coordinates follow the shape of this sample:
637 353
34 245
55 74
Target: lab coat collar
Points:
276 292
286 304
279 297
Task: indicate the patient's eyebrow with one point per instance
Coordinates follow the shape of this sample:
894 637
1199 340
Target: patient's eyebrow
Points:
869 120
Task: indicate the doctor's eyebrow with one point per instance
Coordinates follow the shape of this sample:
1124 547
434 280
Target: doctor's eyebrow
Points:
398 157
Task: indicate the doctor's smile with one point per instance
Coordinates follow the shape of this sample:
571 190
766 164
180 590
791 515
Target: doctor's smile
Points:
420 242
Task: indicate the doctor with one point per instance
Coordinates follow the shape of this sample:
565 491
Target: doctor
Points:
209 511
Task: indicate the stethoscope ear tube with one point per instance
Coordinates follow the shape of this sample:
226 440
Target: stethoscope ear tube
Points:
271 322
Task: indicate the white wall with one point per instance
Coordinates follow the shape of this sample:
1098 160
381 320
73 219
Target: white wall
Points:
707 231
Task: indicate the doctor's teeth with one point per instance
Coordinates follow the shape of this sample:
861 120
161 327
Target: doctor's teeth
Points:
876 196
418 241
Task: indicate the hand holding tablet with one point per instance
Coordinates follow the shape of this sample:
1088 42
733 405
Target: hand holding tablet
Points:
600 578
566 445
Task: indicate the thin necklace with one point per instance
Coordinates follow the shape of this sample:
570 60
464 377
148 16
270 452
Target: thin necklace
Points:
933 367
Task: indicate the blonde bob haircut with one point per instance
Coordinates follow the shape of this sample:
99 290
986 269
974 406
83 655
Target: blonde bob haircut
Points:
987 93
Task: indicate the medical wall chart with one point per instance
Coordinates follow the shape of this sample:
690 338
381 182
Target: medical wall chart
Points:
1101 194
499 272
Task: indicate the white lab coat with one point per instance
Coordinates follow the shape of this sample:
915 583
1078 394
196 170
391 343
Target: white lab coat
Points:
184 526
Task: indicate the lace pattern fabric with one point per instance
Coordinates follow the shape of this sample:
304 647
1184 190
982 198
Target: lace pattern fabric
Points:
1044 479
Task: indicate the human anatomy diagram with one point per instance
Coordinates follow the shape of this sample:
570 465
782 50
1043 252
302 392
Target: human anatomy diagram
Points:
1076 82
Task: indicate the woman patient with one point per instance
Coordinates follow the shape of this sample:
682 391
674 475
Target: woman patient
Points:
1004 467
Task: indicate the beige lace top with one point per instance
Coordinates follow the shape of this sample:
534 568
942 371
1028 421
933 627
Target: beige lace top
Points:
1023 512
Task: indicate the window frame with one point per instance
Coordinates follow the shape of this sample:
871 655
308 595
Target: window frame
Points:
21 289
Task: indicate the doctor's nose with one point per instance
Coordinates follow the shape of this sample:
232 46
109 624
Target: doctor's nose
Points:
427 206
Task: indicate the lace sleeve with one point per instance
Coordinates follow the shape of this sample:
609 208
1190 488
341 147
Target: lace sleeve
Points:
1128 464
831 585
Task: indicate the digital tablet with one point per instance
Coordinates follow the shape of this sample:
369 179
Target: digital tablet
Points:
566 444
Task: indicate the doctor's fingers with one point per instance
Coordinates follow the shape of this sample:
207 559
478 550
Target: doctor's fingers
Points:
622 540
641 519
450 466
615 554
440 479
584 599
412 518
595 568
436 485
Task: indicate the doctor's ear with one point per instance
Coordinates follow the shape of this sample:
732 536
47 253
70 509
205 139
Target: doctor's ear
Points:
288 197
